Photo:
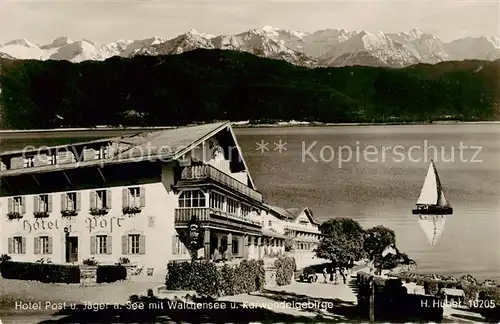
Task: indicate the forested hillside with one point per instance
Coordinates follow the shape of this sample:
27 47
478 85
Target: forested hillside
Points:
206 85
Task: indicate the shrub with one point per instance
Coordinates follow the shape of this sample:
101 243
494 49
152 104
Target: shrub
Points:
285 267
110 273
68 213
44 272
90 262
5 258
209 280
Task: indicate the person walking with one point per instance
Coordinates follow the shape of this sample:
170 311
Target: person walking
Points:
325 274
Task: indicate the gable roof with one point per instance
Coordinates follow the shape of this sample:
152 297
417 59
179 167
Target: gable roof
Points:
164 145
293 213
306 210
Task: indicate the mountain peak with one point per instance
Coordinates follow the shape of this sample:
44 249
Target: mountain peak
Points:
22 42
61 41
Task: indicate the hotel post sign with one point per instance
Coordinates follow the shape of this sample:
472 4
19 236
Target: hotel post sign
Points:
194 235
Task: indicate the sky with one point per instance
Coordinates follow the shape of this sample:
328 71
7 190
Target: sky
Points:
41 22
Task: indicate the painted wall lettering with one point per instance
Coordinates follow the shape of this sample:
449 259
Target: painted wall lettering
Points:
40 225
99 223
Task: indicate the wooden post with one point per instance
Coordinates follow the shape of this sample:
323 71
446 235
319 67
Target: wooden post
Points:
230 246
372 300
246 246
259 248
207 244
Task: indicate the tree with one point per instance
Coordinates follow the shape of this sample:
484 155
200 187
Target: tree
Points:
289 244
376 240
342 242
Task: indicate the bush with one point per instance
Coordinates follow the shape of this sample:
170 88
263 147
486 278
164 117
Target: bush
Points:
44 272
90 262
5 258
285 267
209 280
393 303
110 273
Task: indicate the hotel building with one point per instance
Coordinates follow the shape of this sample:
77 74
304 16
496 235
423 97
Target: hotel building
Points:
133 197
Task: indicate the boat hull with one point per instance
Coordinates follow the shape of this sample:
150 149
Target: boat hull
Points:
433 210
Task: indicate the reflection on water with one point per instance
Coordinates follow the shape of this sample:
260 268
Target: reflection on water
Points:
383 189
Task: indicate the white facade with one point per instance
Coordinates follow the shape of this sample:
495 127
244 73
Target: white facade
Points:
198 180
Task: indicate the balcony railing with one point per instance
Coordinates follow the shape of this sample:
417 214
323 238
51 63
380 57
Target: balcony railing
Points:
302 229
183 215
208 172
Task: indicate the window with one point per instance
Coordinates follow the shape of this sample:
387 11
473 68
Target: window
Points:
269 223
43 245
245 210
133 243
102 199
232 206
235 246
52 159
43 203
29 161
102 152
192 198
17 205
17 245
70 201
102 244
134 197
217 200
177 246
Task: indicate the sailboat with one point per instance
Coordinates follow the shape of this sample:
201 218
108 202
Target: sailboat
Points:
432 206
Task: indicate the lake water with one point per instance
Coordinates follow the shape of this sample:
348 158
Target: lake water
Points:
376 188
382 189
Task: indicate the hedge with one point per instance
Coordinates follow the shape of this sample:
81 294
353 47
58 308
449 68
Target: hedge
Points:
110 273
207 279
44 272
433 285
285 268
393 303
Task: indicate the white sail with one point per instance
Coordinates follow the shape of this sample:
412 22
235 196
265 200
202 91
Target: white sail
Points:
432 226
429 192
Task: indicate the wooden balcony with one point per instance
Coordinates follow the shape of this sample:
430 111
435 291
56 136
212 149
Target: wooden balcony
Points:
299 228
205 173
217 217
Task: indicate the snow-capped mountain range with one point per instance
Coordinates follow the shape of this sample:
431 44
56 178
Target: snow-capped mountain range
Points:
329 47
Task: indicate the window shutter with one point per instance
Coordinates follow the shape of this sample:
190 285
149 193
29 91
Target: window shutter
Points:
63 201
50 245
143 197
49 205
93 244
108 199
174 244
109 244
36 205
78 200
125 197
10 203
92 199
124 244
142 244
23 246
10 245
23 205
37 245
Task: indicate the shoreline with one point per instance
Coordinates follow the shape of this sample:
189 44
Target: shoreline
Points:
245 124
